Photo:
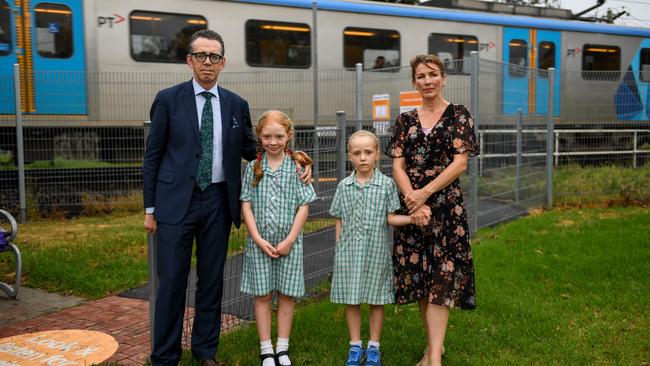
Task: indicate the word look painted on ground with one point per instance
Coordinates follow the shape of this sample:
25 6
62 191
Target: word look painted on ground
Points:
57 348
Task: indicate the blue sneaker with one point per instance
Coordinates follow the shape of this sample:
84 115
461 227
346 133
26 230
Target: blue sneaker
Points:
354 356
373 356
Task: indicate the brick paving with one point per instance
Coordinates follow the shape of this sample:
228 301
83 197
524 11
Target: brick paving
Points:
127 320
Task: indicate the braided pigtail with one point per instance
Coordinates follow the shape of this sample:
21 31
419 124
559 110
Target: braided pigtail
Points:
257 167
300 157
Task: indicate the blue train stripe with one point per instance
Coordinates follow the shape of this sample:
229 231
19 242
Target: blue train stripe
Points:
460 16
632 98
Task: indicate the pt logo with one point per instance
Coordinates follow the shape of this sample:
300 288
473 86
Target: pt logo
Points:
573 51
107 22
486 46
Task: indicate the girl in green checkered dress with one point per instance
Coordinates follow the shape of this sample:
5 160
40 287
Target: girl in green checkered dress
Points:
364 206
274 209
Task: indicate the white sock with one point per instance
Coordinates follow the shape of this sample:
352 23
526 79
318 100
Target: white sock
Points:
356 343
267 348
373 343
283 345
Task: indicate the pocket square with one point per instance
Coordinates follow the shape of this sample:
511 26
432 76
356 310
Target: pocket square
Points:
235 124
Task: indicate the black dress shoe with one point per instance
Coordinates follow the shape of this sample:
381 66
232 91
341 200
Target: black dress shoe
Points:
265 356
209 363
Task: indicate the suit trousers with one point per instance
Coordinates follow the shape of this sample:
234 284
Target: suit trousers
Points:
207 220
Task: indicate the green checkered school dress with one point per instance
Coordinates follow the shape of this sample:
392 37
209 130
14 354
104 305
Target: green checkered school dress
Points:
275 201
363 269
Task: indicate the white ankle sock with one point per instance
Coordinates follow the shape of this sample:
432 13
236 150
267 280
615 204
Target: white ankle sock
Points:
356 343
283 345
373 343
267 348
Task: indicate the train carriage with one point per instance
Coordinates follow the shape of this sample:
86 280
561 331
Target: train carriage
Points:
74 53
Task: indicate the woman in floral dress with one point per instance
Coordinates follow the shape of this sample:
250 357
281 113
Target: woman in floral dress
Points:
432 259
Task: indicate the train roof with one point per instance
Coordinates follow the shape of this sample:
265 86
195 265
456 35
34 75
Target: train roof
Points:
411 11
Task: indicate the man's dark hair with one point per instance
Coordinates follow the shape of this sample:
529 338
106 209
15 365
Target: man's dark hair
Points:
209 34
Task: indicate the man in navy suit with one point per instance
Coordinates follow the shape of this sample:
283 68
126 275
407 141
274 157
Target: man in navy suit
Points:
192 180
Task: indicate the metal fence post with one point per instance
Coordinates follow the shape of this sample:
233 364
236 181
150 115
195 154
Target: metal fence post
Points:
341 124
634 143
520 127
20 146
473 163
314 55
481 149
549 138
557 147
359 104
152 263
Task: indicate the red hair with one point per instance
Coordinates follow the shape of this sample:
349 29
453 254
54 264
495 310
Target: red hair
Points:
300 157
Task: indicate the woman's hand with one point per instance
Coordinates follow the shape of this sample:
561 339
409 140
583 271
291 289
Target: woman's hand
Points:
416 199
267 248
421 216
284 247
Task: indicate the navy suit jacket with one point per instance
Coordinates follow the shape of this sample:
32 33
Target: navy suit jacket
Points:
173 149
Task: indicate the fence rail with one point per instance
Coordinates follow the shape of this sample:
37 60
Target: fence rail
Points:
74 163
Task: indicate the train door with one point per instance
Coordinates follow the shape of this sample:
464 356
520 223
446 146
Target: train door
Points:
547 54
58 57
516 43
7 57
50 51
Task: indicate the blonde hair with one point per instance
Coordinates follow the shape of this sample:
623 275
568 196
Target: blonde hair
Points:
282 119
426 60
364 133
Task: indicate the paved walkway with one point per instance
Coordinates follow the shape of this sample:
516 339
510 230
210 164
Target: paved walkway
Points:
127 320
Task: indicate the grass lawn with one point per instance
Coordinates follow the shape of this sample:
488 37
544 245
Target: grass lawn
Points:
567 287
93 257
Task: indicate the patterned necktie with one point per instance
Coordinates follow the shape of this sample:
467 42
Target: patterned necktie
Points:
204 173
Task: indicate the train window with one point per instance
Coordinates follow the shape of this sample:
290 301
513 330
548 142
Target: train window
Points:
644 65
374 48
162 37
53 30
518 60
545 58
451 49
601 62
278 44
5 29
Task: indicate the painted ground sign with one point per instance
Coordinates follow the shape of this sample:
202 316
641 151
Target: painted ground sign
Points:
57 348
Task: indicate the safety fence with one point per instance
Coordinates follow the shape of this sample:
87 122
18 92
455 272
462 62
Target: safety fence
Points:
84 164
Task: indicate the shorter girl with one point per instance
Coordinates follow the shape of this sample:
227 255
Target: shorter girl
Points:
274 209
363 204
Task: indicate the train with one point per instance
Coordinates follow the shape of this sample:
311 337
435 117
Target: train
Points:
63 47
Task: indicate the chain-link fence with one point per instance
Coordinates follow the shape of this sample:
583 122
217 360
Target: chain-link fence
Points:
91 162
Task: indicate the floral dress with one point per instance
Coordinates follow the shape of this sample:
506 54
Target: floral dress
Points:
434 262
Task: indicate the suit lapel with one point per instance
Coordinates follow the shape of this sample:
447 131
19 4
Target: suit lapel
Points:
189 100
226 116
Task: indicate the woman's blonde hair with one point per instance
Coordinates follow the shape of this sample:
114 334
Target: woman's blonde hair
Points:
364 133
427 60
279 117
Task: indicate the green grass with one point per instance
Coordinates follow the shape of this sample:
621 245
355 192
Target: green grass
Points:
597 186
573 185
93 257
560 288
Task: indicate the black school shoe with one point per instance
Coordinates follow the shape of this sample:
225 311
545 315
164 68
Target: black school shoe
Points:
280 354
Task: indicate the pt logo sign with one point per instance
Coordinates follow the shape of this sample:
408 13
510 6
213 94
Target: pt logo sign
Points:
107 22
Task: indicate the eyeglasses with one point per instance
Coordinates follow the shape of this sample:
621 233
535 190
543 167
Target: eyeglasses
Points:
215 58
